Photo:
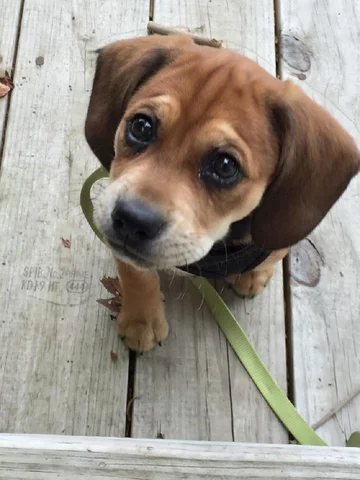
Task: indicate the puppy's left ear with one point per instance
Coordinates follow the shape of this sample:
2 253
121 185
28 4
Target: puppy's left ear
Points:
122 68
316 163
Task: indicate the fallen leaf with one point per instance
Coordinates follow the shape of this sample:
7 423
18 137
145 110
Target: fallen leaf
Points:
113 355
6 80
112 285
113 304
4 90
66 243
6 84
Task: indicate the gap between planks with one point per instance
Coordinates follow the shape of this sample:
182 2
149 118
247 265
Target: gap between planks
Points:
12 75
130 397
286 262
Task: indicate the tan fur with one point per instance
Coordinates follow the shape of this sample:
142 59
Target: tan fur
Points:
295 157
141 320
252 283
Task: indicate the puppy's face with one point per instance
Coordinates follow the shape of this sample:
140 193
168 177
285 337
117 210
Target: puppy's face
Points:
191 158
198 138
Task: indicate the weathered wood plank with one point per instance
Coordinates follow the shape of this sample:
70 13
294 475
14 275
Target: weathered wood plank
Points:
71 458
183 388
263 320
56 373
9 22
321 52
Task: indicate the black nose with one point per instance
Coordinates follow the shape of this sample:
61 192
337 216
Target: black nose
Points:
135 221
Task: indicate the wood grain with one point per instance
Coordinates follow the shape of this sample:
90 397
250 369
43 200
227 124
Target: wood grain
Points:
184 388
9 21
73 458
321 53
56 373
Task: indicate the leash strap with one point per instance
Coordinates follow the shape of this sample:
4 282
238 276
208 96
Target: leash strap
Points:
240 343
270 390
85 198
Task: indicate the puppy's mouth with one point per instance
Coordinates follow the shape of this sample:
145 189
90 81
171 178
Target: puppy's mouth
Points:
128 253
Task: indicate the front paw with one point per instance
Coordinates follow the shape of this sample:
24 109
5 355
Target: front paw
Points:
251 283
143 330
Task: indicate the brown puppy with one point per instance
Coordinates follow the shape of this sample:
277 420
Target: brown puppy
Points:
205 149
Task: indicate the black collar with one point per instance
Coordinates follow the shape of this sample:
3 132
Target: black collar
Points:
230 256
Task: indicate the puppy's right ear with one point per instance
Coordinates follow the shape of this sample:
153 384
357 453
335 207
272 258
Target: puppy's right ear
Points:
122 68
317 161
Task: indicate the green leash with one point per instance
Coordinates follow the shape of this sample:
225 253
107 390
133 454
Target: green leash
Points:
270 390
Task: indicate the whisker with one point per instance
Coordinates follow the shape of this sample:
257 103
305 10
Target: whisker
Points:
172 278
179 297
202 300
222 288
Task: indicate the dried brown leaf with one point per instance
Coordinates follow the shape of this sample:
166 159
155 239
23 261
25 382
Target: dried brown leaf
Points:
112 285
4 90
113 355
66 243
6 84
6 80
113 304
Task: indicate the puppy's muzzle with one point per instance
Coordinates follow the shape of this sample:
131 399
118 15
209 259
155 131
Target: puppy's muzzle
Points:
136 223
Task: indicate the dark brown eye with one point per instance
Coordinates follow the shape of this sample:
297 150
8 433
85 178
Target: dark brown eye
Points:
225 166
140 131
220 169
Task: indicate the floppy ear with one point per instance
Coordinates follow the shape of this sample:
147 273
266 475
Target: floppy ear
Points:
122 68
317 161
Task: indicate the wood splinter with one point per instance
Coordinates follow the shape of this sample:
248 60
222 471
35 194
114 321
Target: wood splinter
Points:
156 28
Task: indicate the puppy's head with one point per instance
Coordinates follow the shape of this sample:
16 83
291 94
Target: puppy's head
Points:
197 138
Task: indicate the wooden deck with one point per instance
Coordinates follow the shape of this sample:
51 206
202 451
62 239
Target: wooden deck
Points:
56 374
88 458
